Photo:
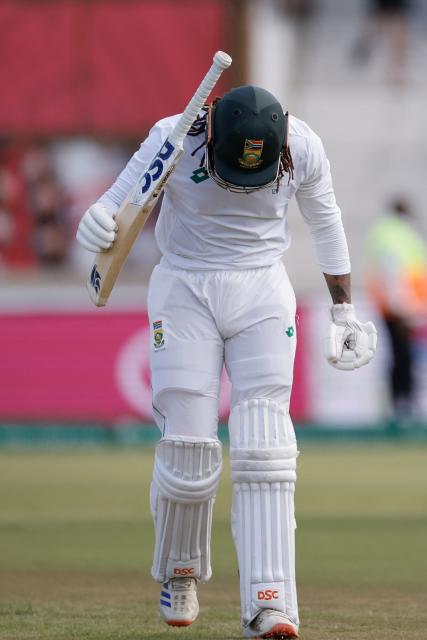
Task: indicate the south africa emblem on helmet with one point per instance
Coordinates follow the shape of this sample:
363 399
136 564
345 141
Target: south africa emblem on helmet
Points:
158 335
251 157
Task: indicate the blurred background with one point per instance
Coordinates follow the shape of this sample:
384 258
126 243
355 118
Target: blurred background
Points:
82 83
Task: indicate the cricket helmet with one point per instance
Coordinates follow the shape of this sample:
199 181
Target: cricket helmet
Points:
247 133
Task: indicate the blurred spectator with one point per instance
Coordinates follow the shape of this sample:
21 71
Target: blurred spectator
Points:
388 20
300 13
299 9
48 206
397 281
15 220
44 187
86 167
7 226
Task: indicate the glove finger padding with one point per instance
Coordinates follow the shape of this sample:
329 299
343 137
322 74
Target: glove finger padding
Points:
350 346
100 231
104 217
89 236
85 243
97 229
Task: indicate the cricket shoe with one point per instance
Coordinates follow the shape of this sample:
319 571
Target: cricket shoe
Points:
178 602
273 624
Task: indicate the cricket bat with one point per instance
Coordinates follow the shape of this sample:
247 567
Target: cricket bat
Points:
142 198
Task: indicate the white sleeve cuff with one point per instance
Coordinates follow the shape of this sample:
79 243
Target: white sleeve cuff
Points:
331 248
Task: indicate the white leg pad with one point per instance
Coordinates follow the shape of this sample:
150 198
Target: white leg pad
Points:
263 454
185 480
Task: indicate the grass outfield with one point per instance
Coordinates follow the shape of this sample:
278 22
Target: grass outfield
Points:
76 541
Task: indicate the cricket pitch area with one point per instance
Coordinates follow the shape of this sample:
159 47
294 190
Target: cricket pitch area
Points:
76 541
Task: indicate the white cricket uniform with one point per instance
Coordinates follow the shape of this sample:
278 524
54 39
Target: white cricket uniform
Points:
221 295
221 281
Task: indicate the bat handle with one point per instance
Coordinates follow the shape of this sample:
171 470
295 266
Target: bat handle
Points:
221 61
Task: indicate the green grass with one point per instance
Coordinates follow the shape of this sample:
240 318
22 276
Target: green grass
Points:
76 541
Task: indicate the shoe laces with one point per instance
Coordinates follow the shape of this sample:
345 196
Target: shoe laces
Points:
181 584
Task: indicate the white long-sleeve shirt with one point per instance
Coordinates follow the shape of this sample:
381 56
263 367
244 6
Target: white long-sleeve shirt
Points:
202 226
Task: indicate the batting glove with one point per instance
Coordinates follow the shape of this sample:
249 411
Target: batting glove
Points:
350 344
97 229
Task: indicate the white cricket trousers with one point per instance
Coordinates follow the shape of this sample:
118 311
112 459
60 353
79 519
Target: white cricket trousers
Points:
201 320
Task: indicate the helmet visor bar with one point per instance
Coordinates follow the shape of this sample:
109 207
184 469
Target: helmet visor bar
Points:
229 186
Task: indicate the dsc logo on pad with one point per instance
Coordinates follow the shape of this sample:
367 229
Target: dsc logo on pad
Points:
268 594
183 572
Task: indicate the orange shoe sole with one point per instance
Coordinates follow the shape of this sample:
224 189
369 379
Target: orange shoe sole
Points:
179 623
280 632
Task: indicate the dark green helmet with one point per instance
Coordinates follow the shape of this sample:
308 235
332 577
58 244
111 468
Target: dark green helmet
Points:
247 134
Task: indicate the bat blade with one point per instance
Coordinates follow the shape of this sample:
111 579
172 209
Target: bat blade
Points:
138 205
130 218
109 263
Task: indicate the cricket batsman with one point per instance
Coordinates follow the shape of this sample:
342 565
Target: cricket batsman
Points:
221 295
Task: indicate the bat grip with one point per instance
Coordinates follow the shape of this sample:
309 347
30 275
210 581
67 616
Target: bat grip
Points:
221 61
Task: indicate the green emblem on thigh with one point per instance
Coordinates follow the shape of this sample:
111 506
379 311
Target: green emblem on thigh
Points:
290 332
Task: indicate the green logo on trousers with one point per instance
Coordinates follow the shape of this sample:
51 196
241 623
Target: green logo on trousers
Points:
290 332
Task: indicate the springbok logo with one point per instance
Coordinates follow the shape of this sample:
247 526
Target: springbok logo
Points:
95 278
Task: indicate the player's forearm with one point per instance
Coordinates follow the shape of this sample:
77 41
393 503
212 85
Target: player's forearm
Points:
339 287
120 188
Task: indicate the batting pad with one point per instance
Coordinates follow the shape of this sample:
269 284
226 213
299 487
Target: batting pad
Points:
185 480
263 454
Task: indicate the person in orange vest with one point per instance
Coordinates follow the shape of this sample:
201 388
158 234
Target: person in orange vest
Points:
397 282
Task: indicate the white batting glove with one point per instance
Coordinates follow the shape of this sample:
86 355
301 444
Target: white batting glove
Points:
350 344
97 229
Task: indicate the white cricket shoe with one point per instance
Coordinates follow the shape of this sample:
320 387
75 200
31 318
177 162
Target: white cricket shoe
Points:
178 602
273 624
